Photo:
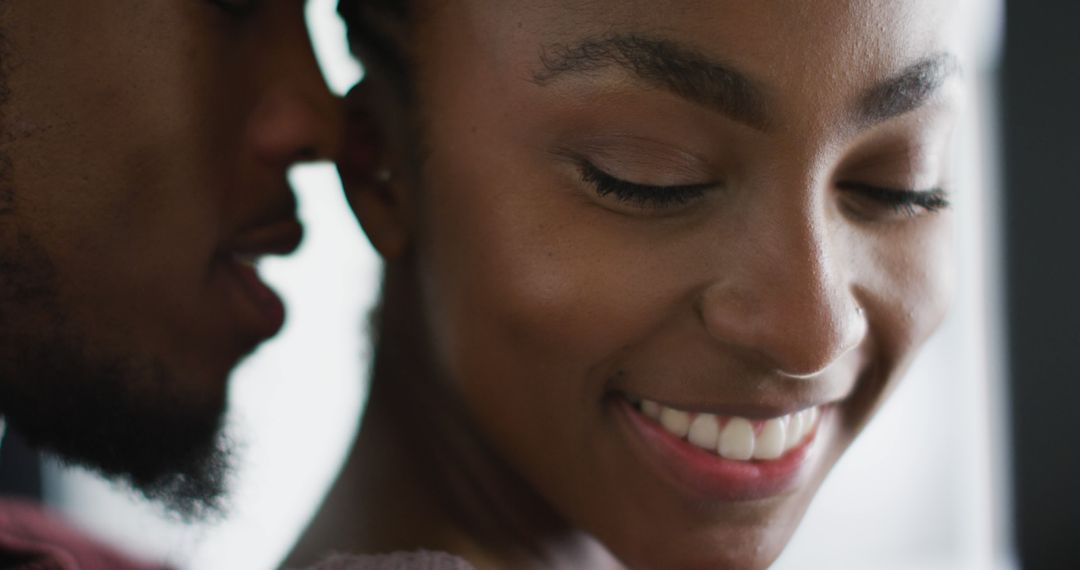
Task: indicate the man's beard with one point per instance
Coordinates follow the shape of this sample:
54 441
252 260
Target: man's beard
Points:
115 413
119 415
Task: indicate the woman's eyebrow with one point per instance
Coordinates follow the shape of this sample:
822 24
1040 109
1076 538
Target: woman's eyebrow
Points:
664 64
688 73
908 90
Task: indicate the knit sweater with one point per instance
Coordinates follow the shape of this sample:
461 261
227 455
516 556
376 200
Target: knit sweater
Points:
420 560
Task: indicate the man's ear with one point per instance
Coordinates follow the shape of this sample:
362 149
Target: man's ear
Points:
371 168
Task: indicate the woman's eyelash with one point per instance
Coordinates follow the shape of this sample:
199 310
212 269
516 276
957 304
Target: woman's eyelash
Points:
908 202
640 195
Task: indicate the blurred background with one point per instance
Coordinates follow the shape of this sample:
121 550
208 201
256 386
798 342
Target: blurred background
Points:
970 465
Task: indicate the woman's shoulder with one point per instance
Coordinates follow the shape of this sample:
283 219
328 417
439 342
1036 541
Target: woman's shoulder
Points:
419 560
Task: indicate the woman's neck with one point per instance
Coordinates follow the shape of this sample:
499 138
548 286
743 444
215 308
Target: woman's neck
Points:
421 477
417 442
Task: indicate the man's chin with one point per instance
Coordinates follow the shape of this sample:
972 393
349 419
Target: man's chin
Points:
190 489
124 419
125 415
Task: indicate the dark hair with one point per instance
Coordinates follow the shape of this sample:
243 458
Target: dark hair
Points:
379 33
368 23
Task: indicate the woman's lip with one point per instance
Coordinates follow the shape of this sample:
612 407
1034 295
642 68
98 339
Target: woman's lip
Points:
752 411
704 475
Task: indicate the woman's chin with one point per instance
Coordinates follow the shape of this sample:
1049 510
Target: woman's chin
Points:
689 524
732 547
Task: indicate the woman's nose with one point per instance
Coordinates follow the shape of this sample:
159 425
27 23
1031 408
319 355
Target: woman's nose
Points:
786 296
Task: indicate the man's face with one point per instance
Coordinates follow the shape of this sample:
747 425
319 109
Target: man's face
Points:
729 209
145 149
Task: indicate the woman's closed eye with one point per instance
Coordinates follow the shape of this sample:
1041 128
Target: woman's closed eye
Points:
880 203
639 195
868 202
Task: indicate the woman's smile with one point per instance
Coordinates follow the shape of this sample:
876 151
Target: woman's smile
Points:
722 457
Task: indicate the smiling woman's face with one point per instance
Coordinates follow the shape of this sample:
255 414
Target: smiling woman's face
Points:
640 219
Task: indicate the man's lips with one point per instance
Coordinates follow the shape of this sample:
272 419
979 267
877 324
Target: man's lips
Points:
260 312
277 238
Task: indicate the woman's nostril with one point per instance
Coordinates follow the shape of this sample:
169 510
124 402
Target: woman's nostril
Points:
799 331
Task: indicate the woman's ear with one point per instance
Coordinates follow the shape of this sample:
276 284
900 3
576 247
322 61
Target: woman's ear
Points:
370 169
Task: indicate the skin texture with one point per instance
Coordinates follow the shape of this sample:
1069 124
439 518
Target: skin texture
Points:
521 305
145 143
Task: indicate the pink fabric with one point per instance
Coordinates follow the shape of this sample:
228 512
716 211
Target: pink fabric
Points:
420 560
33 539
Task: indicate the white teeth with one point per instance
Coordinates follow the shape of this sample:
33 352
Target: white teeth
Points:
807 423
770 442
735 437
737 440
704 432
675 421
651 409
794 430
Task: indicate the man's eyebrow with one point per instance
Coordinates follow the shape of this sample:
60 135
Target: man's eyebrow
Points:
908 90
663 64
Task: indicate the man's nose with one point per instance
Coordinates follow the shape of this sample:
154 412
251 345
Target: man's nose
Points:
297 119
786 296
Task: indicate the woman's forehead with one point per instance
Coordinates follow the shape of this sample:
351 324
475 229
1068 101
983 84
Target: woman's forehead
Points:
737 20
772 38
854 57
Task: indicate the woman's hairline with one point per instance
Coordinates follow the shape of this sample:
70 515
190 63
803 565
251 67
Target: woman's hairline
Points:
368 25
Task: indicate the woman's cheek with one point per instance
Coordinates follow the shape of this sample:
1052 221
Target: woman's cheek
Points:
922 273
905 283
538 290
